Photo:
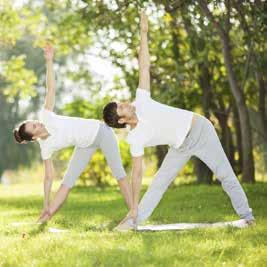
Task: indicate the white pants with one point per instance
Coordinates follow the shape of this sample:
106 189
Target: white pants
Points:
202 142
107 142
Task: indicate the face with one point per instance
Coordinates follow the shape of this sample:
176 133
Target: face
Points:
125 110
36 128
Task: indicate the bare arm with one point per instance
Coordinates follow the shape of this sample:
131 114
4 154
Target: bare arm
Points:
48 180
144 62
136 183
58 201
50 208
50 78
126 192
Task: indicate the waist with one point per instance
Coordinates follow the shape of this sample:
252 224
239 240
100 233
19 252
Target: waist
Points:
192 124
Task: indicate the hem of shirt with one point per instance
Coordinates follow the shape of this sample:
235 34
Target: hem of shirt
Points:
176 146
96 133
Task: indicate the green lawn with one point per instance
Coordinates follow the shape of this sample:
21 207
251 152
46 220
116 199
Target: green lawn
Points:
91 213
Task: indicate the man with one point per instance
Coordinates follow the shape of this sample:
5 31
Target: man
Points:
187 134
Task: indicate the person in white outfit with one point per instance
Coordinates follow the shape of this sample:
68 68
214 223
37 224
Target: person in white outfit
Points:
54 132
186 133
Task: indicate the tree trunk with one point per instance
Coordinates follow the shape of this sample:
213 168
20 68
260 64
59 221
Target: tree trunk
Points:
262 110
238 163
226 139
161 152
203 173
248 161
1 173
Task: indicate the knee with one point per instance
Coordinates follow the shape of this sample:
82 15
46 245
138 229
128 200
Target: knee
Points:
66 187
230 182
225 173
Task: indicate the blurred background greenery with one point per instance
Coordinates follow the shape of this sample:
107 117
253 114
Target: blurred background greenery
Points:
206 56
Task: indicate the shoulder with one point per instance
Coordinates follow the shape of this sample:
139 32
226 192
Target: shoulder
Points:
136 141
46 152
45 114
142 94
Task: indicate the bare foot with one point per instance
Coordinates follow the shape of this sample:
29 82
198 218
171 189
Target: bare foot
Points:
126 225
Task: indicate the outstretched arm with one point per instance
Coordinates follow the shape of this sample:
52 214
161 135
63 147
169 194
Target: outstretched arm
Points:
58 201
50 78
136 184
126 192
144 62
48 180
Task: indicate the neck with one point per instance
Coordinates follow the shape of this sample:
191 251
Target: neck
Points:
133 121
44 134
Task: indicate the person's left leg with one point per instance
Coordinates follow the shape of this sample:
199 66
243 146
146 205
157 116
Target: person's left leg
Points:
210 151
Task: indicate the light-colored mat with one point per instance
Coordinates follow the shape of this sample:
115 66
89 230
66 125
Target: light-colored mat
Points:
185 226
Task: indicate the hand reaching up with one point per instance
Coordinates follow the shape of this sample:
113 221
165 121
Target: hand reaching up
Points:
49 52
143 22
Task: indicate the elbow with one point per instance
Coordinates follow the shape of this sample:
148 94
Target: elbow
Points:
144 66
48 178
137 175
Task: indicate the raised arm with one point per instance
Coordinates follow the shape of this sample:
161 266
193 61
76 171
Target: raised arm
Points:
144 62
50 78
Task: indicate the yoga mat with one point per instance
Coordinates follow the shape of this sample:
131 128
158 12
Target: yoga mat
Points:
186 226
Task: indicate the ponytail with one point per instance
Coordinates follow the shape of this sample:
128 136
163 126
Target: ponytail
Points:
17 136
21 135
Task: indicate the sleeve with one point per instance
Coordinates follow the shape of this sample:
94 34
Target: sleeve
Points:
137 150
142 94
45 153
45 115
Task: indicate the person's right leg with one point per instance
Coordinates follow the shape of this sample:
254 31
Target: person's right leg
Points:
78 162
172 163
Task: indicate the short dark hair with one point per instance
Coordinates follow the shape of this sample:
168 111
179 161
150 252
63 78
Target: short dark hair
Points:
21 135
111 116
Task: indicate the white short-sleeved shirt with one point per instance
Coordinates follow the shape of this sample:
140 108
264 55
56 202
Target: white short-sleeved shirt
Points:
65 131
158 124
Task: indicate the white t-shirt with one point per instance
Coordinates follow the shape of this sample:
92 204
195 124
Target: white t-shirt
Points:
65 131
158 124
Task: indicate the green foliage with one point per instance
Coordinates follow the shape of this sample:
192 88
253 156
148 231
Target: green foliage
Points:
18 81
85 108
10 23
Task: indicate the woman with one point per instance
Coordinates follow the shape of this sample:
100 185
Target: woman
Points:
54 132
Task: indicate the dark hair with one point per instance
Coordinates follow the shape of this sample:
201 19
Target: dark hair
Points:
111 116
21 135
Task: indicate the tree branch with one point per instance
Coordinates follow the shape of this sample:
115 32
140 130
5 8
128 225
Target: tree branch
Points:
204 7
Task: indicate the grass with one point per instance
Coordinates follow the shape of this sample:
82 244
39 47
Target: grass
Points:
91 213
